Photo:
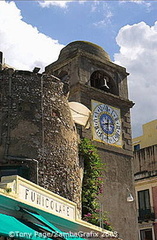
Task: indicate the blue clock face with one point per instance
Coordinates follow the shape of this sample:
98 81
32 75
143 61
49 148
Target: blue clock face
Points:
106 123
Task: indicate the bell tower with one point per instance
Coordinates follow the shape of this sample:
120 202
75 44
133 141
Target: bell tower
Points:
101 86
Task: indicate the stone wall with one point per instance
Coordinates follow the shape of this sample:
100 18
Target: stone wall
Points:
60 143
117 162
37 131
80 61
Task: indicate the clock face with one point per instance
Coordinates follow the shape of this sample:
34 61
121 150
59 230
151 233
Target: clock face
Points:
106 123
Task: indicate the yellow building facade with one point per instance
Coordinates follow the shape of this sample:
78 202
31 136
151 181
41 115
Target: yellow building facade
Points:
145 176
149 136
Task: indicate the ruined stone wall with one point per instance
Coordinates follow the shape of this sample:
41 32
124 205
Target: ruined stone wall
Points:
60 143
20 120
37 131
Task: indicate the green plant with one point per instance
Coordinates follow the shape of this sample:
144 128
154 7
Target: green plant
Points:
8 190
92 184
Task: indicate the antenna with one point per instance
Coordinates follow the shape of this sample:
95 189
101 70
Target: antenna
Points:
1 57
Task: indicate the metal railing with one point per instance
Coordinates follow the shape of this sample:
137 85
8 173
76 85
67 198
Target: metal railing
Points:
145 215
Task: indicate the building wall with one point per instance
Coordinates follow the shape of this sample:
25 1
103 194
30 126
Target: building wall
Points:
150 221
149 136
145 174
117 179
154 193
79 64
37 131
118 174
52 143
145 159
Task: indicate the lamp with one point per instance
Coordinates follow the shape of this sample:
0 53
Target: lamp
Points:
36 70
129 197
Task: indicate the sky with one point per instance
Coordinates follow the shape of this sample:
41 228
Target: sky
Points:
33 32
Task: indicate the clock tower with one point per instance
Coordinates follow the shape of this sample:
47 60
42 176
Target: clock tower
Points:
101 86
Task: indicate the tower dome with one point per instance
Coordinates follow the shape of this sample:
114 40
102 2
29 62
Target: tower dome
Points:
86 47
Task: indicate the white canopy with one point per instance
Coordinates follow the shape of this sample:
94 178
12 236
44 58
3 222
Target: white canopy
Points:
80 114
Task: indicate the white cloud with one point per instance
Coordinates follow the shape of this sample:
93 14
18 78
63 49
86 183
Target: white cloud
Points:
94 6
101 23
23 46
58 3
143 3
45 3
138 53
107 14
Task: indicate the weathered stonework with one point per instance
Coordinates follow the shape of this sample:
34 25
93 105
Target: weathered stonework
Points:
37 131
60 143
81 61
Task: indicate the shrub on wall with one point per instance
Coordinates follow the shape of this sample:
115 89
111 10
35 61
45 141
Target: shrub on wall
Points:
92 185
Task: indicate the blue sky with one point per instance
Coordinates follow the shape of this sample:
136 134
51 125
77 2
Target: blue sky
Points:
95 21
32 34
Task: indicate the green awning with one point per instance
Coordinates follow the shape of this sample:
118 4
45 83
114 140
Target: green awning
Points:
27 224
43 220
11 227
50 227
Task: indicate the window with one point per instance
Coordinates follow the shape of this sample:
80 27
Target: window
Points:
144 199
145 211
63 75
136 147
101 80
22 171
146 234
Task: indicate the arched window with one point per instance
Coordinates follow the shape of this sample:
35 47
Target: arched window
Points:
63 75
101 80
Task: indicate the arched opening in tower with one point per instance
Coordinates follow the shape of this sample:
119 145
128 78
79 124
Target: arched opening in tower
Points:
101 80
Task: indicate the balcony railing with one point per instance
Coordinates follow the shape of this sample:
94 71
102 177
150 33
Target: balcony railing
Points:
145 215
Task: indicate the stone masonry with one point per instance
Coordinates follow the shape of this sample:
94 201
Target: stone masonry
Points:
87 65
37 131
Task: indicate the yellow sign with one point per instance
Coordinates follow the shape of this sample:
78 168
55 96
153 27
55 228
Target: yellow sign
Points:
46 201
36 196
